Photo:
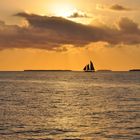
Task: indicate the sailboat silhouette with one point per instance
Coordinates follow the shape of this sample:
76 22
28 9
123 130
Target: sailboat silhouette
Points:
89 67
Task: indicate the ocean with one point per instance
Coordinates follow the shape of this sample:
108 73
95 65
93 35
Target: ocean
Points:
69 106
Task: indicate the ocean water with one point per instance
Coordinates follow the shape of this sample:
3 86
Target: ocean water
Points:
69 106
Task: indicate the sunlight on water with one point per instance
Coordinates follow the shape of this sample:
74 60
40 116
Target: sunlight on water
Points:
69 105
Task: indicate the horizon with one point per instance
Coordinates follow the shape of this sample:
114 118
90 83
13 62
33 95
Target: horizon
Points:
46 70
65 35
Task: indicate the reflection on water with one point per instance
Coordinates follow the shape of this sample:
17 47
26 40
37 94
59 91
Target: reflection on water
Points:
69 105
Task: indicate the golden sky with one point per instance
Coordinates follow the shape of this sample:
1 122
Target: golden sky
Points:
67 34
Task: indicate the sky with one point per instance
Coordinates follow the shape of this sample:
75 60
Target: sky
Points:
67 34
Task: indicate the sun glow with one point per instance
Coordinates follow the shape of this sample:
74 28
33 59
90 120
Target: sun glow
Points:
63 10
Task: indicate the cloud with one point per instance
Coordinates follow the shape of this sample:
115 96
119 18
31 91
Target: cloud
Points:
78 15
115 7
2 23
51 33
118 7
100 7
128 26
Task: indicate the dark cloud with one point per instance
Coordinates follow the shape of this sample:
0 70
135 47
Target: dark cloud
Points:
78 15
128 26
118 7
50 33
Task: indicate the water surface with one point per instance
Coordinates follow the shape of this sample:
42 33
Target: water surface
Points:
69 105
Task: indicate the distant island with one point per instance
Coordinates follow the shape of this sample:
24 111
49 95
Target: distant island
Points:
135 70
47 70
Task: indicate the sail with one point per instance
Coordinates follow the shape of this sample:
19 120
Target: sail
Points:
85 68
91 66
88 68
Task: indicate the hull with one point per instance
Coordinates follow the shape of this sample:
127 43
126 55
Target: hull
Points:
89 71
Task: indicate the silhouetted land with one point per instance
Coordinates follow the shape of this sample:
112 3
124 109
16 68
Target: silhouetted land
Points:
47 70
135 70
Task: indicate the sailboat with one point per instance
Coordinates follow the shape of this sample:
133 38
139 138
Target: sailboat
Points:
89 67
